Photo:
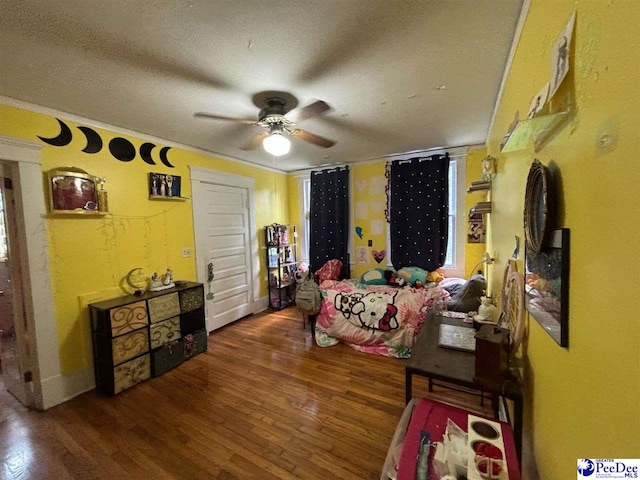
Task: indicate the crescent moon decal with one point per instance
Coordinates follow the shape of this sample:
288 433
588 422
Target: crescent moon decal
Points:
122 149
63 138
163 156
145 152
94 142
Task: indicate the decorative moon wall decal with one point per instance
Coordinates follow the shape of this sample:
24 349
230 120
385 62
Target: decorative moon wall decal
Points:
122 149
94 142
63 138
145 152
163 156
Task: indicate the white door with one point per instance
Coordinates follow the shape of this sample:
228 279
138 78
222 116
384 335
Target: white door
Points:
14 353
223 250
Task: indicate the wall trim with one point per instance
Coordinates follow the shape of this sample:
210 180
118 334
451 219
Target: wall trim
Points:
60 388
260 305
35 270
32 107
524 11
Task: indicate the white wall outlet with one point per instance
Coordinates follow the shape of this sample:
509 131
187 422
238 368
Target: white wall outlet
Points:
186 252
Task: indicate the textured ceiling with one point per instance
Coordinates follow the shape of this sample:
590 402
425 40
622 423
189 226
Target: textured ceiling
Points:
149 66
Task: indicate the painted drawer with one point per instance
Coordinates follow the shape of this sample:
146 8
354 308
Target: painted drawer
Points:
161 308
195 344
191 299
130 345
165 331
167 357
128 318
129 374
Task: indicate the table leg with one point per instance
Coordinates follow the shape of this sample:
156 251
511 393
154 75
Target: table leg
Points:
408 387
517 426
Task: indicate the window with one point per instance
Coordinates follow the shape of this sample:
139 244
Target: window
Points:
305 204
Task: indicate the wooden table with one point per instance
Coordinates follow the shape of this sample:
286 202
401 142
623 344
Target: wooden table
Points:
457 367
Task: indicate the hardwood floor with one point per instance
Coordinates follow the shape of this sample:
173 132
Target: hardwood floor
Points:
264 402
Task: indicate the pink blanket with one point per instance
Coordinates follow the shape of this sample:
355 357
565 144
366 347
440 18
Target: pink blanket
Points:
374 318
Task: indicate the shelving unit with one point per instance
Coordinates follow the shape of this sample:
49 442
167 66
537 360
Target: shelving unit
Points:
282 263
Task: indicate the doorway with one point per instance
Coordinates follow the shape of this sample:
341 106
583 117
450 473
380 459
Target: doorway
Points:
225 244
13 327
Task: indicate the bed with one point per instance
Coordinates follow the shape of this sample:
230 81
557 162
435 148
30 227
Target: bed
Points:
376 319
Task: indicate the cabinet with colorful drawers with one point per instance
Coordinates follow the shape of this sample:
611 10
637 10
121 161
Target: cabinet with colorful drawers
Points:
138 337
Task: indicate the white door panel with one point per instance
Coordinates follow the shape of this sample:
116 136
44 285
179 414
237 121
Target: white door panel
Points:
221 221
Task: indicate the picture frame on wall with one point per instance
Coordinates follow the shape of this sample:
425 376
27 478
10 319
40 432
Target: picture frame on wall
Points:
73 191
164 185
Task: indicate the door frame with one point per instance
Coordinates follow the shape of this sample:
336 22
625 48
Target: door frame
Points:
207 175
24 162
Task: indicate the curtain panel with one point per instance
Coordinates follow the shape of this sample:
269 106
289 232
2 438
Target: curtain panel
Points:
418 210
329 218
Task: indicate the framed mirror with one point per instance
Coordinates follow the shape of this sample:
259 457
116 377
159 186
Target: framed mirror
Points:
537 207
72 191
547 285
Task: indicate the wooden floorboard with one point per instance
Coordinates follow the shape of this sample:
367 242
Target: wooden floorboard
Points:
264 402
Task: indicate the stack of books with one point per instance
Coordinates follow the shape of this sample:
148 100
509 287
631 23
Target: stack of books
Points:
482 207
479 185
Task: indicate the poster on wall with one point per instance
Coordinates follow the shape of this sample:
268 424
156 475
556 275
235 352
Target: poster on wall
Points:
477 231
560 55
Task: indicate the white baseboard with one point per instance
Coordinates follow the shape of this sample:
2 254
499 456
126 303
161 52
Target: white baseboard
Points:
260 305
60 388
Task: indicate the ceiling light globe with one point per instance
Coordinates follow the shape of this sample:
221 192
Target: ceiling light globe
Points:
276 144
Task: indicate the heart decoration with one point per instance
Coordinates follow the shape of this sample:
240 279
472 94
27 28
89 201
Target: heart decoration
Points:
378 256
361 185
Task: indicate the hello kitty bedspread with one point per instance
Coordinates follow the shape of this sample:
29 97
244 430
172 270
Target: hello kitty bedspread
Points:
374 318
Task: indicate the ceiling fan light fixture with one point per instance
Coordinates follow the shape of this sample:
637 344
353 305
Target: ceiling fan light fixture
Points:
276 144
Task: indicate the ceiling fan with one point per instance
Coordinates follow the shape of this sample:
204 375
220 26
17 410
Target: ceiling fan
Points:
279 116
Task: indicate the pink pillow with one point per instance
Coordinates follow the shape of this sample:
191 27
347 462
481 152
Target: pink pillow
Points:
329 271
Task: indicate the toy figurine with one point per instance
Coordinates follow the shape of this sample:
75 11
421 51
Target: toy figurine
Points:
487 312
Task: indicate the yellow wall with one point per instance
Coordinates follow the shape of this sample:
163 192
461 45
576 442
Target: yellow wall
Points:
474 251
583 400
90 255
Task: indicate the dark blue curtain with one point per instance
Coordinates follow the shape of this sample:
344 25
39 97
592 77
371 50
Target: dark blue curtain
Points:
329 222
419 211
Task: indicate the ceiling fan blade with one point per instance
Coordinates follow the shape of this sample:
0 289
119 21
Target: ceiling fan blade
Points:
313 138
254 142
300 114
244 121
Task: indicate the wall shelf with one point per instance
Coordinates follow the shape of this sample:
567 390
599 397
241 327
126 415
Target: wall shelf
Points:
537 131
176 199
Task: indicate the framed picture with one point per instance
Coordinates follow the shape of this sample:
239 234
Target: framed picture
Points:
162 185
73 191
547 285
477 231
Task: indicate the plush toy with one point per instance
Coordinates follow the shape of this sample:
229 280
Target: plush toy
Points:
394 279
435 277
413 275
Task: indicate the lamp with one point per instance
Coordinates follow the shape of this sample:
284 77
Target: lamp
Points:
276 144
486 260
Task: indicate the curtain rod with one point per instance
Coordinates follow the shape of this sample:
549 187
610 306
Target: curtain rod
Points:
327 170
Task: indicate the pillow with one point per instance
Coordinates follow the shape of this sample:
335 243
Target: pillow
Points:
413 275
375 276
468 299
